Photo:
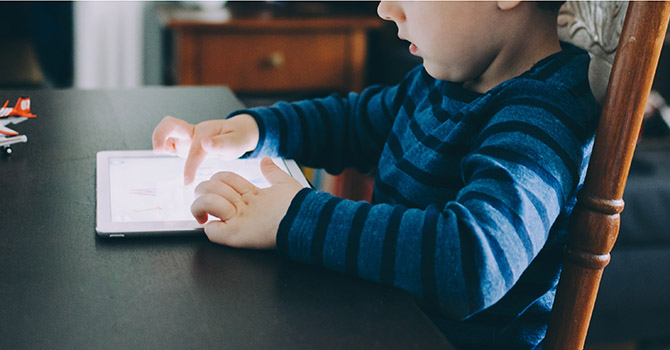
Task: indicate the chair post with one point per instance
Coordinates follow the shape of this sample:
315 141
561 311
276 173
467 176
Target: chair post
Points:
595 222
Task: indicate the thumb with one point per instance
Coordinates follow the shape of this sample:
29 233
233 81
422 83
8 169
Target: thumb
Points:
273 173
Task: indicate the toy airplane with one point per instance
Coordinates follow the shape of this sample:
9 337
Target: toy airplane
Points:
14 115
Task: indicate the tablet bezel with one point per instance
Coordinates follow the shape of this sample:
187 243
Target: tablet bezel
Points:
105 227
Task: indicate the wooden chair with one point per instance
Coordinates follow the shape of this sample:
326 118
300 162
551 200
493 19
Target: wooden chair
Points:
595 221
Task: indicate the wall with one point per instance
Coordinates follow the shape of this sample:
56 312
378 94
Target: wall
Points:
108 44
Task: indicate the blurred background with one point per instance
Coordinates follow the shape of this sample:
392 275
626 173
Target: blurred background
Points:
282 50
125 44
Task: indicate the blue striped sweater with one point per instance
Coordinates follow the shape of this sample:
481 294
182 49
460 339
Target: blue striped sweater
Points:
471 196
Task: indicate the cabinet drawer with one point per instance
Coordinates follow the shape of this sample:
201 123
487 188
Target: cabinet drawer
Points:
264 62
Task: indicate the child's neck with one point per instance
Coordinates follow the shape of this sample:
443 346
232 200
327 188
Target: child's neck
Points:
516 57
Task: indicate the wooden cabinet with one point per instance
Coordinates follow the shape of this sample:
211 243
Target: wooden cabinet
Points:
261 48
257 48
268 62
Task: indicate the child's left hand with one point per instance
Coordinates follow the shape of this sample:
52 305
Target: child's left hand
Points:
249 216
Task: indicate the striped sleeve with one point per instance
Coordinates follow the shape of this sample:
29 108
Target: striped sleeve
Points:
465 255
333 133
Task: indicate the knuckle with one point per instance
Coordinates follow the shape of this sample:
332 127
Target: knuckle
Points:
202 188
225 176
208 200
167 119
200 204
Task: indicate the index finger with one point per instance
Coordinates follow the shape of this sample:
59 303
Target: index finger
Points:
212 204
196 155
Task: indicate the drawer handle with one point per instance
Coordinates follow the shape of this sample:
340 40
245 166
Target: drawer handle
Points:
275 60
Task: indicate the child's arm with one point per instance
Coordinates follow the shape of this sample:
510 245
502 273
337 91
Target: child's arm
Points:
466 254
333 133
461 257
229 138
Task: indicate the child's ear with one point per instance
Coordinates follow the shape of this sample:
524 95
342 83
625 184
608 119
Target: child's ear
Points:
507 5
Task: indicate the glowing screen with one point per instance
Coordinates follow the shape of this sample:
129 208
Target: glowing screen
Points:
151 188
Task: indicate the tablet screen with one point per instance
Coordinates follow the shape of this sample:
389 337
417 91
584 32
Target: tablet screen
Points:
151 188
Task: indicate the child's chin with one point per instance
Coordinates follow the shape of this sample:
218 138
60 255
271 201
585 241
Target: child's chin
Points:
435 72
443 73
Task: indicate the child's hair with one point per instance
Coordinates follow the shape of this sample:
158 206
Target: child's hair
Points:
553 6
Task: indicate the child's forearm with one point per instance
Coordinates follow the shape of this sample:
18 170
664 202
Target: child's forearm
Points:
332 133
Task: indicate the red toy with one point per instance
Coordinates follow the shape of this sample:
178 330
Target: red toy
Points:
13 115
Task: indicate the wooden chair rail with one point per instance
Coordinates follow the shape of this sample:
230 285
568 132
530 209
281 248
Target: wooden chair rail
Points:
595 222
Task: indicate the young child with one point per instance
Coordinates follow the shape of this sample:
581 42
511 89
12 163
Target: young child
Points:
478 153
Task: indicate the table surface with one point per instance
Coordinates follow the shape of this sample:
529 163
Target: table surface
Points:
62 287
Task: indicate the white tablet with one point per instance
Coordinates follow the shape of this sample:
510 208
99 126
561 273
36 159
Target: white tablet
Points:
140 193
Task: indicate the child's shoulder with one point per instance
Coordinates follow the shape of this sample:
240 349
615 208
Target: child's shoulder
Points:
563 76
565 69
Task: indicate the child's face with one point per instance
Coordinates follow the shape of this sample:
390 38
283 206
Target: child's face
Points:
457 40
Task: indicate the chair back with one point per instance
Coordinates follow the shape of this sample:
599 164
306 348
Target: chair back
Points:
594 26
594 225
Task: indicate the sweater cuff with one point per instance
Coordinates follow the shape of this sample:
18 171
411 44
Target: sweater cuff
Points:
300 224
268 132
287 221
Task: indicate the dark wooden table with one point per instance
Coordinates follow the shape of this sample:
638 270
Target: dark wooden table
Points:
61 287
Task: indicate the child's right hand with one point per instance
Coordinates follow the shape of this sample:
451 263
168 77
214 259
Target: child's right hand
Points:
226 138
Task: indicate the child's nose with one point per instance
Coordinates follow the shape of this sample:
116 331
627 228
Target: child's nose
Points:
391 11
